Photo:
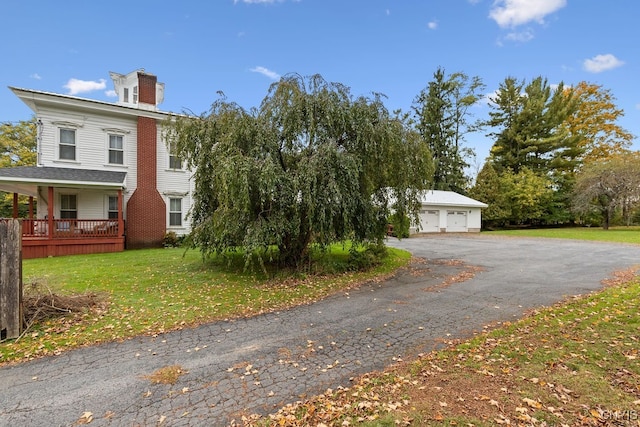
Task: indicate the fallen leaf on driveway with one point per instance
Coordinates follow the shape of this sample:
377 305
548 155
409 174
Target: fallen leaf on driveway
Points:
86 418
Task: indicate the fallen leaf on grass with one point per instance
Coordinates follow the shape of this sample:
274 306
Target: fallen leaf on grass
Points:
532 403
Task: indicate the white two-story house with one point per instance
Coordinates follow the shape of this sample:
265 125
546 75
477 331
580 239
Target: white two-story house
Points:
104 179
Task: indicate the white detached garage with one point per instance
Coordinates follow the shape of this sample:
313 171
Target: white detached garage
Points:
447 211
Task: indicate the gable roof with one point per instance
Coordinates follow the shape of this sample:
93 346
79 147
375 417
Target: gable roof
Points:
449 198
34 98
26 179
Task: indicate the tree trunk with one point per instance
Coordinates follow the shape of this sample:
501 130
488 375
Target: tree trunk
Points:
294 250
605 219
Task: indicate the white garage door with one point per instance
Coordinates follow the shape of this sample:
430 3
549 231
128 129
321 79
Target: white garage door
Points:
456 221
429 221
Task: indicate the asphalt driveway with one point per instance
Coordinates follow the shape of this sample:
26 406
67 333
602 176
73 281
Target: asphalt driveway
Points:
258 364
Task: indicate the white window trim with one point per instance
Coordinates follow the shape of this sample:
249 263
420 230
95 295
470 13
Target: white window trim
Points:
169 156
60 196
169 211
119 132
59 129
106 204
75 126
124 152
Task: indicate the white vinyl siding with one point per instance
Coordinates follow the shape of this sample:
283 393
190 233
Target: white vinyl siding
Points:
92 146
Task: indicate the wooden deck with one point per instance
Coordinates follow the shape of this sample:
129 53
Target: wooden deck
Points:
43 238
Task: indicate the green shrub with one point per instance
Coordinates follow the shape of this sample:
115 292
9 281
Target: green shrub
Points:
172 240
371 256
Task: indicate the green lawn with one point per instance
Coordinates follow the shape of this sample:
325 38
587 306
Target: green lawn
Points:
614 234
152 291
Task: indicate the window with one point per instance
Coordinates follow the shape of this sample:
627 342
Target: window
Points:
175 212
67 144
174 161
116 149
112 207
135 94
125 95
68 206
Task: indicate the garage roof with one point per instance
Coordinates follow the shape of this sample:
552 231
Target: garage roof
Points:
449 198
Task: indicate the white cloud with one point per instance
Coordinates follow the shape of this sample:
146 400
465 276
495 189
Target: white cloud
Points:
489 98
512 13
35 76
520 36
600 63
76 86
433 25
111 93
266 72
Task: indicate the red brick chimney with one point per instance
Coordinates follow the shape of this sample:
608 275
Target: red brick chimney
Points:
146 209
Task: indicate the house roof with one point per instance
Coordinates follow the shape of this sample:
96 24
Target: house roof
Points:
33 98
26 179
449 198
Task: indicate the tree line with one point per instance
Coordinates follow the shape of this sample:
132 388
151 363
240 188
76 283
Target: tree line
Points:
313 164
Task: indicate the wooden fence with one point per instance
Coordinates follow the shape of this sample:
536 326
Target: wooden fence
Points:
10 279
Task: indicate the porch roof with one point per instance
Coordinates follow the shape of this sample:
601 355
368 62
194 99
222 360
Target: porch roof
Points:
26 179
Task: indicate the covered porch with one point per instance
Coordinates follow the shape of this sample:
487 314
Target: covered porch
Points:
78 211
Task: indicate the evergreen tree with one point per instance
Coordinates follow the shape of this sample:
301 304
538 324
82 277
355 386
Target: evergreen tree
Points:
530 134
442 119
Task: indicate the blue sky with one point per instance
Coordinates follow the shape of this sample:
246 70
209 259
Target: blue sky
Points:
240 47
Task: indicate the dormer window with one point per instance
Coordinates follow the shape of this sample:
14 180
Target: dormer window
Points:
125 94
135 94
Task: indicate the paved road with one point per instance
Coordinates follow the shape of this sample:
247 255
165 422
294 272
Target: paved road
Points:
256 365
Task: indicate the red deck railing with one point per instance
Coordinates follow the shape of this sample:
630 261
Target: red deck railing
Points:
69 228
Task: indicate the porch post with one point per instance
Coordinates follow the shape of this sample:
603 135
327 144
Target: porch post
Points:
15 205
31 214
120 215
50 213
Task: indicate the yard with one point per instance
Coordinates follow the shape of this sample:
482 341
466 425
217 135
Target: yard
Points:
614 234
573 364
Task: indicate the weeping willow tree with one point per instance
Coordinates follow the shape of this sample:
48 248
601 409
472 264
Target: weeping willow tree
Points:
311 165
